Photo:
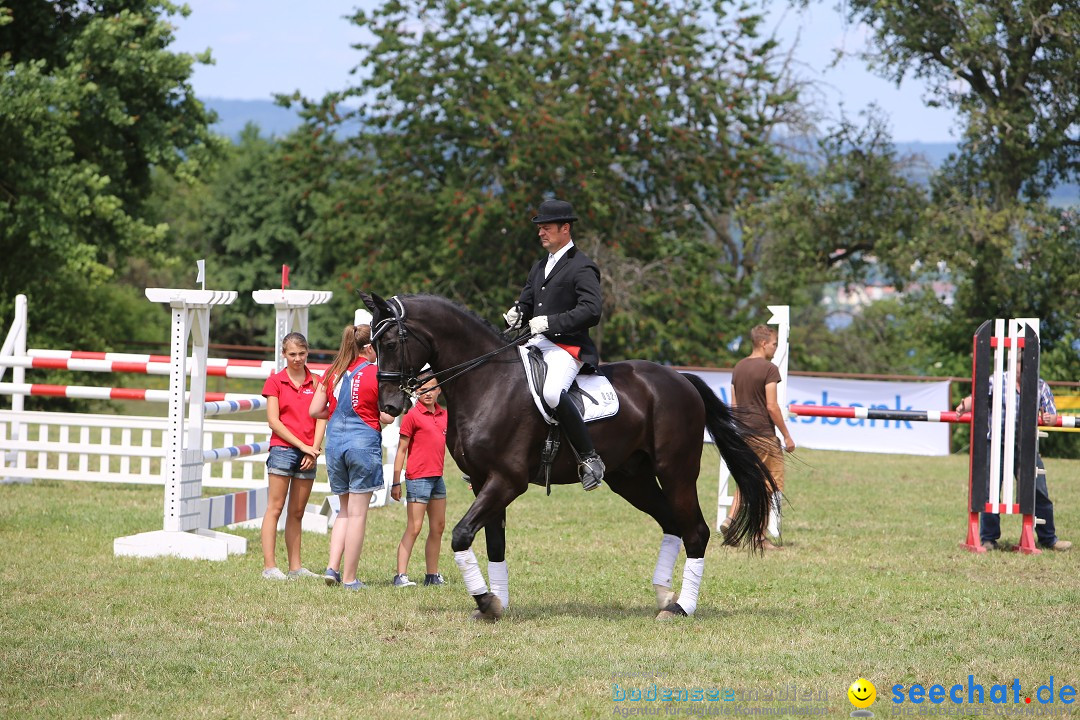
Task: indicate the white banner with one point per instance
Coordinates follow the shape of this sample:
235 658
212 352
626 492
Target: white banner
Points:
903 437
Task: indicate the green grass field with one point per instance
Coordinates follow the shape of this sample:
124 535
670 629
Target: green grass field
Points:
872 583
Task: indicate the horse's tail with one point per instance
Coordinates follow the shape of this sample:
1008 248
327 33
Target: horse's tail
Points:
753 479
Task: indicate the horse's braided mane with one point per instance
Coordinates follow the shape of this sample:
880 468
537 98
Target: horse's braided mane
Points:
459 306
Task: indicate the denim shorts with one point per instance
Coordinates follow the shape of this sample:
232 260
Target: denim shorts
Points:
285 461
421 490
355 470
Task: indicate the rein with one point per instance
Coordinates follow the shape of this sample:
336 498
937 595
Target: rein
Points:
412 383
468 364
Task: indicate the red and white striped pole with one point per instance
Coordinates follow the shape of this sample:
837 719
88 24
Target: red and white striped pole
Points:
140 364
945 416
86 392
865 413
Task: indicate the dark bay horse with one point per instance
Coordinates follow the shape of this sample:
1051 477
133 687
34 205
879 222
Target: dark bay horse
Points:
652 447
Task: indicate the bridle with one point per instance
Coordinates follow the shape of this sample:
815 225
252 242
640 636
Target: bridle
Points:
407 382
410 381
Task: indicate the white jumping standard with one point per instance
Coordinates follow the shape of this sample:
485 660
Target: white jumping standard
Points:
169 451
182 533
291 313
188 517
781 317
144 450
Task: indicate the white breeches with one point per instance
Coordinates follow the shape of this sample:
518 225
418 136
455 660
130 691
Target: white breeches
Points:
562 368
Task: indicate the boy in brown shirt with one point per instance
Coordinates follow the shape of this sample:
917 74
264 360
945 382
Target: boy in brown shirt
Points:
753 391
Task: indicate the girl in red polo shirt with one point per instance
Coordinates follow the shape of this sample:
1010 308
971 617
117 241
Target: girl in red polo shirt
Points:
348 395
423 438
290 468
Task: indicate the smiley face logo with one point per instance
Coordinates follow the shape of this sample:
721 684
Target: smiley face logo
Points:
862 693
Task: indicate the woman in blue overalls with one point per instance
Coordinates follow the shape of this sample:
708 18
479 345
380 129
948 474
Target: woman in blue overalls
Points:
353 447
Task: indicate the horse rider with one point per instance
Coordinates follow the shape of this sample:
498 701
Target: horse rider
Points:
561 300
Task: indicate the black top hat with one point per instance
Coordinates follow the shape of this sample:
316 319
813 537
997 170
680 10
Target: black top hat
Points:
554 211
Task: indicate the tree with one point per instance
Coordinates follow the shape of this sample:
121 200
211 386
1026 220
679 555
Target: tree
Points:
1008 66
265 203
846 216
90 102
654 119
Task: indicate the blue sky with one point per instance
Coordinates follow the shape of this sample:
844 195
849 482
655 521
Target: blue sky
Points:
266 46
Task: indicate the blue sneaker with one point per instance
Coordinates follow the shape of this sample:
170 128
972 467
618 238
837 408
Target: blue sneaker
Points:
332 577
402 581
354 585
434 579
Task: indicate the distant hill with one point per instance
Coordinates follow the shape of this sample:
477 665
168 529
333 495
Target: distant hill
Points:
274 120
233 115
935 153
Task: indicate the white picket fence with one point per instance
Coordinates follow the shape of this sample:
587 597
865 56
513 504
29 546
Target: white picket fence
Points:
121 449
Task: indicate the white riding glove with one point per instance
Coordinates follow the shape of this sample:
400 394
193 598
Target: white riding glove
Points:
538 325
513 318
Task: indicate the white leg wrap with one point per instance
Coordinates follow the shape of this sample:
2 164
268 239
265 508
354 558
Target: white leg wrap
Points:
775 514
665 563
691 583
470 571
500 581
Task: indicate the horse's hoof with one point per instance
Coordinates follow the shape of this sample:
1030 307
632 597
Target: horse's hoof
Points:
478 616
489 607
671 612
664 596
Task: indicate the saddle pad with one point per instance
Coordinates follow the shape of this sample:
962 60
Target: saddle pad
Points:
593 393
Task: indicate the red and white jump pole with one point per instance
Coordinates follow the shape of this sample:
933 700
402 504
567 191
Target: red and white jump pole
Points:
88 392
75 360
864 413
945 416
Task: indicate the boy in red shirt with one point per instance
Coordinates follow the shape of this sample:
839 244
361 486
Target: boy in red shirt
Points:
423 439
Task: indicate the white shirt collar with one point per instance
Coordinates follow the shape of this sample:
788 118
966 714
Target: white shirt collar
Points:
555 257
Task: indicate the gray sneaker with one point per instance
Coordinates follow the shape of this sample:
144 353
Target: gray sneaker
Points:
354 585
332 577
302 573
274 574
592 471
403 580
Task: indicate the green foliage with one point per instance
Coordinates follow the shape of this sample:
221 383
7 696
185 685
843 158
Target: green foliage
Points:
1008 66
984 244
652 121
847 216
90 101
255 210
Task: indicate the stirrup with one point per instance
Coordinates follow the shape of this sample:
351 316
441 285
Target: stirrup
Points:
591 471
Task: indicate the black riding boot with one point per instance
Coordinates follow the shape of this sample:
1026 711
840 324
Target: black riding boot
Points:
591 469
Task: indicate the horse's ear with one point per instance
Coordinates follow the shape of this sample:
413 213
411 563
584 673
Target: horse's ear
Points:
372 301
